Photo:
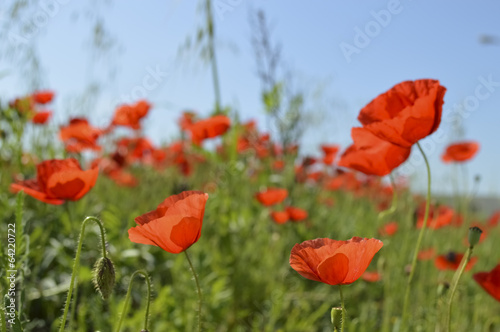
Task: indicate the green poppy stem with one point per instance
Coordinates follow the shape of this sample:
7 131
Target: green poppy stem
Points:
200 299
127 299
454 282
419 242
394 203
343 309
76 264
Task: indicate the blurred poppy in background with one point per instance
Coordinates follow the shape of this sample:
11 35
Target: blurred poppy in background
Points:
208 128
490 281
460 152
130 115
43 96
329 152
271 196
451 261
41 118
280 217
295 213
388 229
79 135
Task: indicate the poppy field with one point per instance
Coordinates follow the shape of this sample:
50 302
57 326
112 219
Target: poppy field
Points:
235 222
246 236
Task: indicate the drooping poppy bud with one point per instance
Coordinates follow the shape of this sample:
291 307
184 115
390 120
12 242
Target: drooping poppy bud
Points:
104 277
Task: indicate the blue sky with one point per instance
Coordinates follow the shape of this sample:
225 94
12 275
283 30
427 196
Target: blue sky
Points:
416 39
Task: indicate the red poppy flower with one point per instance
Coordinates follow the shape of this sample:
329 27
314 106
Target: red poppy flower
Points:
209 128
79 135
405 114
334 262
58 180
41 117
490 281
186 119
372 155
460 152
388 229
130 115
371 276
43 97
344 180
175 225
451 261
280 217
426 254
296 214
272 196
136 149
278 165
440 216
494 219
330 152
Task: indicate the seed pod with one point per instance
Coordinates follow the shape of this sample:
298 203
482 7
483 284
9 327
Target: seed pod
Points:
474 235
104 277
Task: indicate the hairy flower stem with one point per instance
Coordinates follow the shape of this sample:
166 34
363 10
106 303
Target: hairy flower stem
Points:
76 264
343 309
394 203
127 299
454 283
200 299
419 242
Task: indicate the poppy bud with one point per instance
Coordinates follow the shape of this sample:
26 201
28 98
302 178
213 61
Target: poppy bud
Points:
104 277
336 316
474 235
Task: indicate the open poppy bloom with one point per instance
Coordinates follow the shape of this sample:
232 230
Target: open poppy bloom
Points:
439 216
371 276
209 128
175 225
130 115
372 155
494 219
295 213
280 217
334 262
405 114
41 117
272 196
460 152
330 152
58 180
43 97
452 260
426 254
79 135
388 229
490 281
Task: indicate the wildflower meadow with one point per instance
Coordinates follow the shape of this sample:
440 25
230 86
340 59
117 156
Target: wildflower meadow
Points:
238 223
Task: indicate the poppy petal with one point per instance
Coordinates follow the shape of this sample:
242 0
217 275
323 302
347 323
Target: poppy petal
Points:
334 269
